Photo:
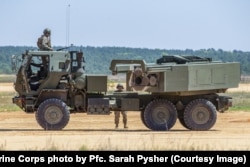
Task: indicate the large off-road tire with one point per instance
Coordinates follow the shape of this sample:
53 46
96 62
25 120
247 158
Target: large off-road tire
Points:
142 118
181 119
52 114
200 114
160 115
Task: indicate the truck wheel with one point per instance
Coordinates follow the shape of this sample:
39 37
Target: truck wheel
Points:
181 119
142 118
52 114
160 115
200 114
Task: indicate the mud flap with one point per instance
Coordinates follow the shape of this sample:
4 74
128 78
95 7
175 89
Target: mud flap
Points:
224 102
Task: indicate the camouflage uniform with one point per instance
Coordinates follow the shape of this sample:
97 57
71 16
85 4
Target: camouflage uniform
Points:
119 88
44 42
117 117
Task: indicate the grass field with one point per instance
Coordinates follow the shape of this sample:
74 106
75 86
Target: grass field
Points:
7 78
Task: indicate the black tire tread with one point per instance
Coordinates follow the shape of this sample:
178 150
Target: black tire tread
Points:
151 124
41 111
191 123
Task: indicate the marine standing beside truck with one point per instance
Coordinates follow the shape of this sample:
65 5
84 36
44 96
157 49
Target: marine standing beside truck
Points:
119 88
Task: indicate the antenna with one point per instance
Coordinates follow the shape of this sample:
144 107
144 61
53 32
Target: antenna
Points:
67 25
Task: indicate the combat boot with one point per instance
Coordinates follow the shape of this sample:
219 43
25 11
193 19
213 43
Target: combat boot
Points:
125 126
125 123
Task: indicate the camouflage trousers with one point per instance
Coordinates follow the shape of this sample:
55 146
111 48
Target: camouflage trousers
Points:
117 117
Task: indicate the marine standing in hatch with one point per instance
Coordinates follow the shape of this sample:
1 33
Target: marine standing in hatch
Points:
44 42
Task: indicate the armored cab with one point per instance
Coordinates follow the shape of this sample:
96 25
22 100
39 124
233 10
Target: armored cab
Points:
53 84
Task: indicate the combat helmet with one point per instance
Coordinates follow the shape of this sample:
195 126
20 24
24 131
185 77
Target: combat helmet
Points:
46 30
119 86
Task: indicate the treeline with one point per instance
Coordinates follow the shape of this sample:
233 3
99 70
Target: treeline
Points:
98 58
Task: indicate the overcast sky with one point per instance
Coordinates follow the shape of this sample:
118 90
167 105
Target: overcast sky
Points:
162 24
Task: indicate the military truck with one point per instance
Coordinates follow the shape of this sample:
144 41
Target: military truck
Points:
53 84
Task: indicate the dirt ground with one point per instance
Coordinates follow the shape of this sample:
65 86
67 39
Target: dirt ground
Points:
20 131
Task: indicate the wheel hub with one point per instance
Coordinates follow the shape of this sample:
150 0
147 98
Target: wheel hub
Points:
200 115
53 115
161 115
